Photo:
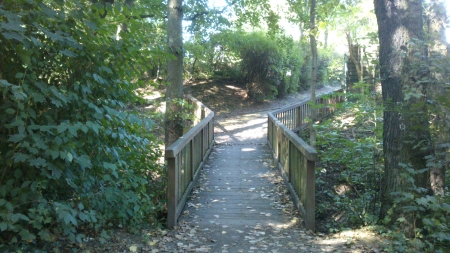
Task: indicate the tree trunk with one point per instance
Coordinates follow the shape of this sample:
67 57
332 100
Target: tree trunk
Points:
406 135
356 57
312 37
174 88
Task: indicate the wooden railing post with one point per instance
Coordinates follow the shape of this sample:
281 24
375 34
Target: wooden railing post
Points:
172 191
192 163
310 205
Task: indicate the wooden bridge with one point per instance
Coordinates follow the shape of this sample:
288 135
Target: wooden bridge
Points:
236 177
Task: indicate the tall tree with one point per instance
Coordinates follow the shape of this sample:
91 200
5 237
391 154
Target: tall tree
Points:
312 38
406 135
174 88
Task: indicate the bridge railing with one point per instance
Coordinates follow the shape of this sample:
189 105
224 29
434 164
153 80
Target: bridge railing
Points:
296 159
185 158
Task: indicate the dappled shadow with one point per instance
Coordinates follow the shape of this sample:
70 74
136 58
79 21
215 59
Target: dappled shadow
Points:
242 129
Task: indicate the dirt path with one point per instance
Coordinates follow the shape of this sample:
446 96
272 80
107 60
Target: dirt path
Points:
249 124
229 99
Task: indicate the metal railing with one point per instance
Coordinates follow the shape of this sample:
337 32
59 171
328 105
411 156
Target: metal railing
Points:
185 158
296 159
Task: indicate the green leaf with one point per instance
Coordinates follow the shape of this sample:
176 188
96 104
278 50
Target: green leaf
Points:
16 137
68 218
67 53
56 172
26 235
38 162
99 79
69 157
10 111
20 157
422 201
61 128
54 154
32 113
84 128
18 173
3 226
4 83
83 216
84 161
14 35
80 237
19 75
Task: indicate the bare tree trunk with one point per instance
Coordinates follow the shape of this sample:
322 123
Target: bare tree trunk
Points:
353 56
174 88
312 37
406 135
361 68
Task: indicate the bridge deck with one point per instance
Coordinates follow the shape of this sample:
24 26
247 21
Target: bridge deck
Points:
240 204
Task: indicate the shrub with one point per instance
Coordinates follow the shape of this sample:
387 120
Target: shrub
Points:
72 158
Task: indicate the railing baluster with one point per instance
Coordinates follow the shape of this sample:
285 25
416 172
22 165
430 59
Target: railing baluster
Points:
185 158
296 159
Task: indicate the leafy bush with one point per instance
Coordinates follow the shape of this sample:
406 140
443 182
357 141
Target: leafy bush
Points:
429 212
349 148
261 65
72 158
265 62
349 180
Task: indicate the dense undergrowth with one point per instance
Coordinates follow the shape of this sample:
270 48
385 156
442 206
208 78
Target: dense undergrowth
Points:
73 160
349 181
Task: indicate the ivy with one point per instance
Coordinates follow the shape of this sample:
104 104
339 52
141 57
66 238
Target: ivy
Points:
72 157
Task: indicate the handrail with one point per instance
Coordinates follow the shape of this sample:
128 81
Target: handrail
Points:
185 158
296 159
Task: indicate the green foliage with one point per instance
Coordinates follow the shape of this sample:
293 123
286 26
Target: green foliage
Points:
430 215
72 158
427 209
329 68
269 65
350 152
349 148
262 65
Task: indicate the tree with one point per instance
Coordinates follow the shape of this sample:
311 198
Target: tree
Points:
312 38
406 135
300 14
174 88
